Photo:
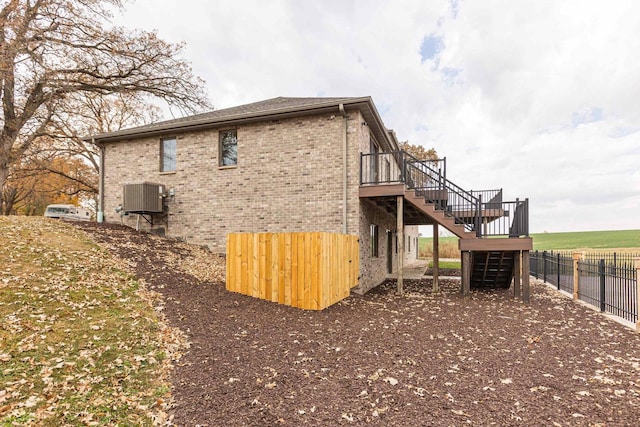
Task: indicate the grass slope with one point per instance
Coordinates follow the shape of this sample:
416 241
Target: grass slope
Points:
80 343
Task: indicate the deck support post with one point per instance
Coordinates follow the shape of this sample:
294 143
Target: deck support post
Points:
517 268
436 259
400 234
525 276
466 273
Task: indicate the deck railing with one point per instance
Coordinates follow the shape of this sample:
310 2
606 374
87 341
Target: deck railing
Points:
391 168
506 219
483 212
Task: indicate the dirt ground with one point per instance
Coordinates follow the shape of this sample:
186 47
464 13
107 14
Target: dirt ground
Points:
423 359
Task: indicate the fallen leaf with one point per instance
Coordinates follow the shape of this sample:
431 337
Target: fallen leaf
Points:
391 380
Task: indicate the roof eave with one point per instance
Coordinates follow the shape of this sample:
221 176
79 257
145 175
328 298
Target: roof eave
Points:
236 119
377 127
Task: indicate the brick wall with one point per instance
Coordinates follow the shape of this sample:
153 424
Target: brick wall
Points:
288 178
374 269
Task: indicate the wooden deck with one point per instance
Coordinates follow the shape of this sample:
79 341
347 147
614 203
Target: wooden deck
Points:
493 234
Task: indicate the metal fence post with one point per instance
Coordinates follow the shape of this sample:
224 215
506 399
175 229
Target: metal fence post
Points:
558 270
637 313
601 273
544 266
534 264
577 257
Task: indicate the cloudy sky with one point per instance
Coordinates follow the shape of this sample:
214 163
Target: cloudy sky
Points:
541 98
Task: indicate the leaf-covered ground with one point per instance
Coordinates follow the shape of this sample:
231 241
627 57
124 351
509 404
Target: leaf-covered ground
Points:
80 343
421 359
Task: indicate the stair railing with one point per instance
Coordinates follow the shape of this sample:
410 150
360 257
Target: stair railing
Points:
507 219
492 198
483 212
520 225
432 184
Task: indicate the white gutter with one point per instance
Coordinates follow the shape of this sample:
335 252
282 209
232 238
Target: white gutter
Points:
344 169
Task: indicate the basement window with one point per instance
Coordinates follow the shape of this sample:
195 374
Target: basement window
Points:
168 154
228 148
374 240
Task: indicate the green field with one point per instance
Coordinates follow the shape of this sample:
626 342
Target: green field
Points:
615 239
618 240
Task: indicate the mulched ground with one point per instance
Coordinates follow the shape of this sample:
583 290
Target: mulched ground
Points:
423 359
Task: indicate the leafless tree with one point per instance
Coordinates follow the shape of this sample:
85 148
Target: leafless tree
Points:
56 52
89 115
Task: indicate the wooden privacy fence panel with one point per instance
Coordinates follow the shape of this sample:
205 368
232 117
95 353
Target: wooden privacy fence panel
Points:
305 270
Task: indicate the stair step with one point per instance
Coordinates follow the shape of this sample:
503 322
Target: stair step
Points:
438 215
492 269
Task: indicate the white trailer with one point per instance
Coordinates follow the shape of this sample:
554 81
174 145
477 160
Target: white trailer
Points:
70 212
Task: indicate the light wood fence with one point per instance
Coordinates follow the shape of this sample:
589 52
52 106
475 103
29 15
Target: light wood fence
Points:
305 270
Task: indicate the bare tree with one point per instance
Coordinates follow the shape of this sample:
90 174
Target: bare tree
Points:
90 115
53 51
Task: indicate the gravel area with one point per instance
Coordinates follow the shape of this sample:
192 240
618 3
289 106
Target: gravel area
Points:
423 359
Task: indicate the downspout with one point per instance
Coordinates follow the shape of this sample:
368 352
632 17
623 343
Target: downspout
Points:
100 213
344 169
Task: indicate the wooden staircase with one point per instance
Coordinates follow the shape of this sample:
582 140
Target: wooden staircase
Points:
464 213
437 215
489 269
492 269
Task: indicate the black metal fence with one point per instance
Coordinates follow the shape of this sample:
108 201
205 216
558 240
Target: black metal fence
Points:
607 281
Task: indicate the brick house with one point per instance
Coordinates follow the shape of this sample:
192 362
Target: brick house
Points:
284 164
299 164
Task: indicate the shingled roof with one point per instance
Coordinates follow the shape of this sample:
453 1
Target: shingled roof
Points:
270 109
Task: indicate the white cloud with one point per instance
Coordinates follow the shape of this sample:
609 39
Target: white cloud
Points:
540 98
